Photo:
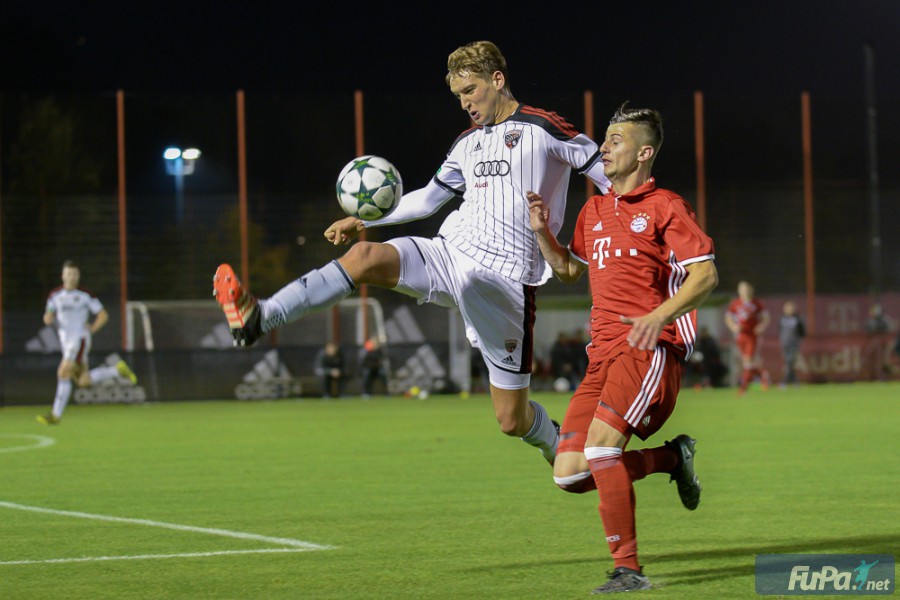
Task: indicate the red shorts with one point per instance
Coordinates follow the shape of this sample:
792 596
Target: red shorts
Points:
634 391
746 344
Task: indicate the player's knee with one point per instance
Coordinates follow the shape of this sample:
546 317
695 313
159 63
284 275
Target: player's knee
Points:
372 262
578 483
510 425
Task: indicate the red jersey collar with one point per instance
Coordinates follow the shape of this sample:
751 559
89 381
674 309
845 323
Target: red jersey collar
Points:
637 192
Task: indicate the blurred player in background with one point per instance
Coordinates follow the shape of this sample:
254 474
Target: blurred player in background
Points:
790 331
748 318
650 267
331 370
70 308
485 259
374 367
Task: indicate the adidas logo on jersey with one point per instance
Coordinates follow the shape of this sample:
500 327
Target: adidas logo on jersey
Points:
477 148
598 226
509 360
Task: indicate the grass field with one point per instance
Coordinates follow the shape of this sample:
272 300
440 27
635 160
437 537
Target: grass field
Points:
402 498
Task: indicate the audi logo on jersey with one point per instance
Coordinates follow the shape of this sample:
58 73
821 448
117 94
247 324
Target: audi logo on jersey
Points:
492 168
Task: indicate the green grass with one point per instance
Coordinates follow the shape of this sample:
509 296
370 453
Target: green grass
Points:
426 499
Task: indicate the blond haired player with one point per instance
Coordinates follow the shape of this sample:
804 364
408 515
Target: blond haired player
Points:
485 259
650 266
70 308
748 318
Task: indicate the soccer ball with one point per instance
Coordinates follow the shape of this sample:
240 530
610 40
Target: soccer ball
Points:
369 187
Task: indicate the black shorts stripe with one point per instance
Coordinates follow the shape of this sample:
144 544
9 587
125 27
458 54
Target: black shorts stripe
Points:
530 293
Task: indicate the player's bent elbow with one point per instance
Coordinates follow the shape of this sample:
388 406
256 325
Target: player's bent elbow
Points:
565 277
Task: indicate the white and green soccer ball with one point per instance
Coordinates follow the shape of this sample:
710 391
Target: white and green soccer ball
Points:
369 187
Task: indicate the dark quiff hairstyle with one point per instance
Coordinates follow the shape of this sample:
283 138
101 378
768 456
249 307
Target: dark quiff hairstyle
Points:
649 119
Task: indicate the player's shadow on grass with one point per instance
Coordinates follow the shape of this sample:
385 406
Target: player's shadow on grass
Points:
868 544
847 545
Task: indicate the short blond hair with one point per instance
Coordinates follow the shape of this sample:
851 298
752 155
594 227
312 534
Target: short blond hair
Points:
481 59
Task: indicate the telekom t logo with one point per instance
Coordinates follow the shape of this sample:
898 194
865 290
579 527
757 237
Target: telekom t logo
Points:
600 252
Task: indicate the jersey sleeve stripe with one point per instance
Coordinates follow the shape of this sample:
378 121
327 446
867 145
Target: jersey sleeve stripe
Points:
696 259
554 118
551 122
590 163
447 187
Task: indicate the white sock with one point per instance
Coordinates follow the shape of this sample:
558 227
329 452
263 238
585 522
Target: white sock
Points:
103 373
318 289
543 432
63 392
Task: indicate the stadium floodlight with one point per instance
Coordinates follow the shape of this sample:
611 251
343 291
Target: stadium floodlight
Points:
180 163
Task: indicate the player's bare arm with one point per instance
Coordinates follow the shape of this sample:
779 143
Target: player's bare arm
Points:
49 317
557 256
701 280
730 323
763 323
343 231
99 321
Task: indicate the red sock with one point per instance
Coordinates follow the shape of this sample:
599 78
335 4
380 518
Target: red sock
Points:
617 508
641 463
746 378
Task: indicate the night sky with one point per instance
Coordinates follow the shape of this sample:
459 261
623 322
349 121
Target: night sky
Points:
724 46
180 65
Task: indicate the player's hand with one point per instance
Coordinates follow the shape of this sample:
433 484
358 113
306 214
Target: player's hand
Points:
537 212
343 231
644 332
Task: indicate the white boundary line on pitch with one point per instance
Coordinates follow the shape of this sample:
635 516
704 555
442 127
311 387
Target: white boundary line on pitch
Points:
153 556
42 441
293 545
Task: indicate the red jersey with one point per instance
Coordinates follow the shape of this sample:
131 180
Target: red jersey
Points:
747 315
636 247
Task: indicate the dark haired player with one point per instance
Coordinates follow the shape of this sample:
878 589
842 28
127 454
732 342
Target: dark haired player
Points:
650 266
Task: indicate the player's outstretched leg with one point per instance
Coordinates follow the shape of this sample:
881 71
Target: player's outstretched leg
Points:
689 487
249 319
623 579
241 308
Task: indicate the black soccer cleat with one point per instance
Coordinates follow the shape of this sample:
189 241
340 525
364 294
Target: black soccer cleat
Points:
623 579
689 487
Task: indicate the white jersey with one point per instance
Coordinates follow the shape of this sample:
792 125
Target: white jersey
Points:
72 309
492 167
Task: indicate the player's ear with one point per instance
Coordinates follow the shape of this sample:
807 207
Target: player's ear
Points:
646 153
498 80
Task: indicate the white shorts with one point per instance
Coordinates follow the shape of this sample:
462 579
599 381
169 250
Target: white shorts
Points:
75 347
498 312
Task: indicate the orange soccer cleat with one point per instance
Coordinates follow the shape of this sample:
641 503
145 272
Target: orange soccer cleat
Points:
240 306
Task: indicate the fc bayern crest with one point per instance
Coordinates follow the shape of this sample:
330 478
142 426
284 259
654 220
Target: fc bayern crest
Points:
511 345
511 139
639 222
